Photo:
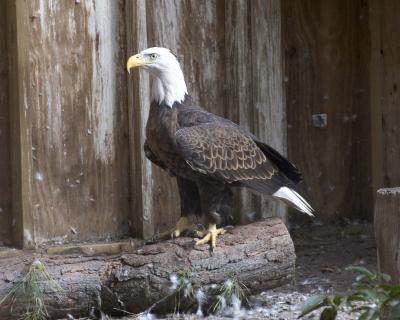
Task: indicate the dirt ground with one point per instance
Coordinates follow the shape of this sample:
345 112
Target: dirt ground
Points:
323 252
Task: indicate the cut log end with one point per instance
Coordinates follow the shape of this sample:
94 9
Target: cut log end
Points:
387 231
261 255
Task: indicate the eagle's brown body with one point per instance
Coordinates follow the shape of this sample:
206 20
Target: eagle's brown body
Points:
209 154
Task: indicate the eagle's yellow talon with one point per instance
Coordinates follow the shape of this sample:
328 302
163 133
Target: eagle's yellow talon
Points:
211 236
181 226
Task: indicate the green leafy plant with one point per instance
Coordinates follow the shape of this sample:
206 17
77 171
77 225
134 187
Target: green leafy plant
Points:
182 286
30 290
231 293
371 298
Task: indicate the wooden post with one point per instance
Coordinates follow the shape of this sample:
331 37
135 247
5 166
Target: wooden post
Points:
138 104
21 150
238 85
269 112
6 234
385 93
254 76
387 231
375 76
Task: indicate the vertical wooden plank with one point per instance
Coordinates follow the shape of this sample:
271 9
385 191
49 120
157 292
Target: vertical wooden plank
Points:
389 80
5 156
162 16
21 147
375 17
239 98
73 130
326 53
142 192
269 114
204 59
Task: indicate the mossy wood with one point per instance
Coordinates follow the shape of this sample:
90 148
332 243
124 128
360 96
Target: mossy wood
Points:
261 255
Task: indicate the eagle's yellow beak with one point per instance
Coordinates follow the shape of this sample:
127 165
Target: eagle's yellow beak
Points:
135 61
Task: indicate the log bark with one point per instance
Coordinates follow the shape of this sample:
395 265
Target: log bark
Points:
260 254
387 231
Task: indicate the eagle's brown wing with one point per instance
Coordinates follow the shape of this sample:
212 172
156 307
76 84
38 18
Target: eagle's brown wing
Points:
225 152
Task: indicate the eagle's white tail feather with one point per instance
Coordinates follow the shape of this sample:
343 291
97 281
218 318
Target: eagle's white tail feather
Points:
294 199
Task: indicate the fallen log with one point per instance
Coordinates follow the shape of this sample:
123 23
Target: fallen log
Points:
387 231
261 255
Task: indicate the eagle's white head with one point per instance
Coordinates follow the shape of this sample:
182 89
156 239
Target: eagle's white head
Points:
169 85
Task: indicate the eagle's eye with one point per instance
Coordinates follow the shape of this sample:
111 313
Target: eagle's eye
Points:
153 56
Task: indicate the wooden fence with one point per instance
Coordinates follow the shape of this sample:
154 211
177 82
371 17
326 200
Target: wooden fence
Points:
72 122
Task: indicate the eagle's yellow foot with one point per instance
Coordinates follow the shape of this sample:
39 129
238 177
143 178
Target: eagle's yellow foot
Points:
211 236
181 226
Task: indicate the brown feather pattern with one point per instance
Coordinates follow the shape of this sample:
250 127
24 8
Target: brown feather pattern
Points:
223 151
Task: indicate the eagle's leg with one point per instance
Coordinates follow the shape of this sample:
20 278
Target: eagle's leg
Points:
214 198
190 207
211 235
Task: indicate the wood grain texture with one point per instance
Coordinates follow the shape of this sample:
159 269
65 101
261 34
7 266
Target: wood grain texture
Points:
389 82
142 191
260 254
5 156
21 146
239 98
327 55
254 81
387 231
74 97
269 114
375 74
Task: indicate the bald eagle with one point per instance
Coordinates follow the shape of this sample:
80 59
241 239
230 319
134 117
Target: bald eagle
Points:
206 153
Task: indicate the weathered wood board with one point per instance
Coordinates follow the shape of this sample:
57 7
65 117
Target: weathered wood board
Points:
238 87
268 104
327 55
5 156
74 101
388 80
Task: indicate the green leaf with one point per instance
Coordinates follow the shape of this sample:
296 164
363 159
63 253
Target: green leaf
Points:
370 295
370 314
392 290
337 300
362 277
313 303
385 277
360 270
328 314
357 296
